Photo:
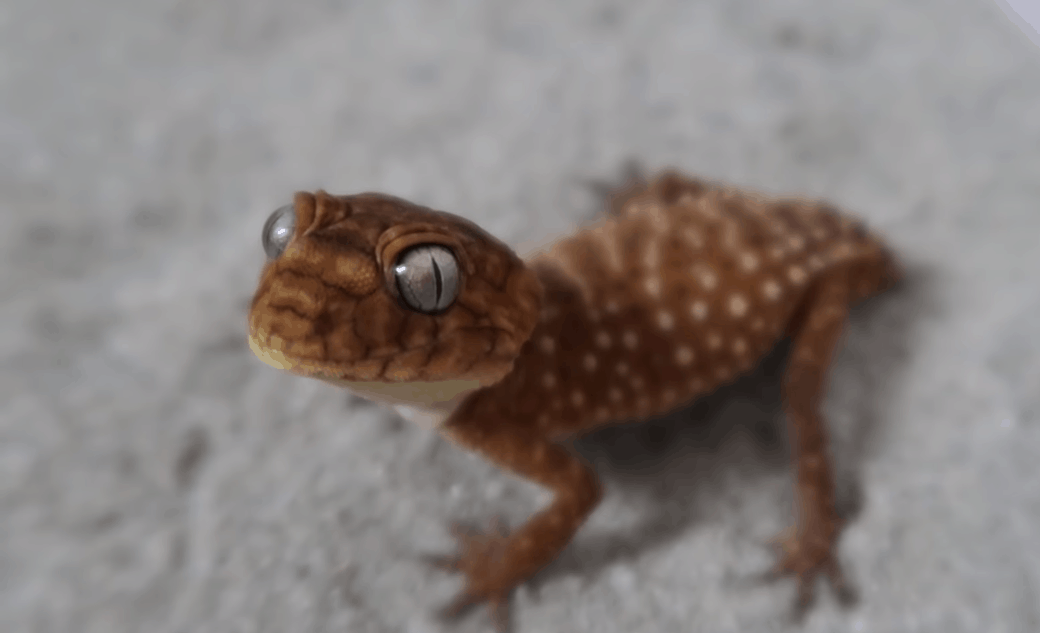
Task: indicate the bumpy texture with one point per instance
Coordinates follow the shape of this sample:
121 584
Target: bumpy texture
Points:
682 289
328 306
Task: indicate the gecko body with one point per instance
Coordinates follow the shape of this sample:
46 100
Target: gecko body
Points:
684 287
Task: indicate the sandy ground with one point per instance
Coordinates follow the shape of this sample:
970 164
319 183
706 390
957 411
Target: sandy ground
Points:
154 476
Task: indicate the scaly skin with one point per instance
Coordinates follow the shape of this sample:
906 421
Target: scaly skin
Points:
682 289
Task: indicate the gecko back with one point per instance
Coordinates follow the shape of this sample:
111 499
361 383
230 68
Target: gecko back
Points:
685 287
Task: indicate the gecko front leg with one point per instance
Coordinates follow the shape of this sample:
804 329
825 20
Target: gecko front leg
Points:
496 562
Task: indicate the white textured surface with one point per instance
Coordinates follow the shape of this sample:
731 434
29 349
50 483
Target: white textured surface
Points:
142 144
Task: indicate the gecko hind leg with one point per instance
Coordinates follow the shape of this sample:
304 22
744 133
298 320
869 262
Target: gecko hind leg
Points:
612 195
809 547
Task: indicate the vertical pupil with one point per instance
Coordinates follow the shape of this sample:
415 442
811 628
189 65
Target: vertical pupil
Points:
438 281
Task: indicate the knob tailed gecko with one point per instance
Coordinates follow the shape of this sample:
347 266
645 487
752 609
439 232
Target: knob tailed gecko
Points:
680 289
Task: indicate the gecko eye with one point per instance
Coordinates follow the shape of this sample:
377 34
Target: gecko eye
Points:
427 278
278 230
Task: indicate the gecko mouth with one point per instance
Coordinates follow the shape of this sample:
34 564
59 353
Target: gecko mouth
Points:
271 356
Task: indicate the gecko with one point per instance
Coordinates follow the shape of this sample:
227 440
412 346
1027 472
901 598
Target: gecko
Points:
680 288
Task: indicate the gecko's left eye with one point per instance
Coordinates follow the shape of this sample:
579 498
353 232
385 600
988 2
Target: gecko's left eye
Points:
278 230
427 278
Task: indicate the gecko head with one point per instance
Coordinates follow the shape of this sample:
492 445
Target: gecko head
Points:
372 288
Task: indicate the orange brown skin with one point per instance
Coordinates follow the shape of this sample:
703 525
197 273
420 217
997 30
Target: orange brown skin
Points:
682 289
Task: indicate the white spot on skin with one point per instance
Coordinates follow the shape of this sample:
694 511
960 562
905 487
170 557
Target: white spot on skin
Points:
707 209
796 242
820 233
612 307
706 275
683 356
699 310
749 261
714 340
547 344
549 380
731 236
696 384
659 221
636 382
543 420
603 340
652 285
777 253
577 398
621 368
771 289
797 275
723 373
758 324
614 394
815 262
630 339
589 362
602 414
738 305
594 316
740 346
665 320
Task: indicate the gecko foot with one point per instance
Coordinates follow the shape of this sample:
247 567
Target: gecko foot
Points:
480 558
804 554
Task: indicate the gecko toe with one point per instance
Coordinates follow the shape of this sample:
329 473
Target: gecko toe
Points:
477 552
804 556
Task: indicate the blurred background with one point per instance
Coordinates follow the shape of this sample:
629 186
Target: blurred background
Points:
154 476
